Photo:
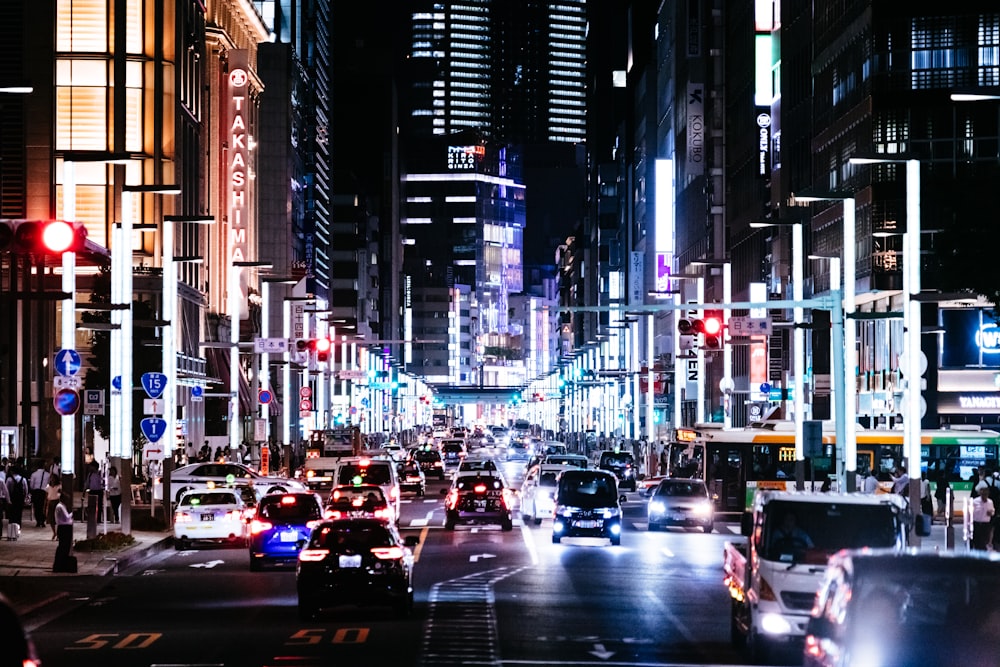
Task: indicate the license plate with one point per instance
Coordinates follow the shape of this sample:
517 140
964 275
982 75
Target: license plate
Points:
289 536
208 517
350 561
588 523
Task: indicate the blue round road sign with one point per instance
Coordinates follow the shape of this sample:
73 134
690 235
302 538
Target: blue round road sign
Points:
66 401
264 396
68 362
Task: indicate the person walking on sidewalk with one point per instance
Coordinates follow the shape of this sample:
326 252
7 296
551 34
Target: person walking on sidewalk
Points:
52 493
36 487
17 489
94 484
64 530
114 492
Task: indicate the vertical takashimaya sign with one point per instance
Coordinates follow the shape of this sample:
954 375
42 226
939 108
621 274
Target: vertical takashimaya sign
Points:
238 162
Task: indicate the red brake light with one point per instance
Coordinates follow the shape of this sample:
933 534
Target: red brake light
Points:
257 526
336 494
363 463
288 500
479 488
387 553
312 555
392 493
182 517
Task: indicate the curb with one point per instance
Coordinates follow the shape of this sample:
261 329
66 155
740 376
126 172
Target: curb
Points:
116 563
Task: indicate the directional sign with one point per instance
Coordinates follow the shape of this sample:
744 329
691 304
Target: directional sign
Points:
197 393
749 326
154 384
270 345
152 452
152 406
153 428
93 402
67 362
66 401
264 396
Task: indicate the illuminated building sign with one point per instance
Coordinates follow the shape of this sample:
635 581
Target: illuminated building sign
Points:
238 155
464 158
763 142
663 263
695 130
971 340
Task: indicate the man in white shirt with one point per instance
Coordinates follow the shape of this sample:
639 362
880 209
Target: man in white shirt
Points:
900 481
36 488
982 520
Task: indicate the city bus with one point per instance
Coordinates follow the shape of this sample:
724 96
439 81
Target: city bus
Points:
734 463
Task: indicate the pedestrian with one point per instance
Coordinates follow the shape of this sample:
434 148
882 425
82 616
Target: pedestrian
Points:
17 490
114 493
36 487
56 467
926 504
190 452
869 483
664 461
941 492
93 483
982 520
4 500
52 493
64 531
901 481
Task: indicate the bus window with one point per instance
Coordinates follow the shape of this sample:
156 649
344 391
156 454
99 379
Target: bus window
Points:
687 460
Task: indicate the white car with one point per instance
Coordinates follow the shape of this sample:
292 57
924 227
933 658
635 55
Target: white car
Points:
211 475
215 516
538 491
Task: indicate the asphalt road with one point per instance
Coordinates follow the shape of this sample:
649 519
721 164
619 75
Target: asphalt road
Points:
483 596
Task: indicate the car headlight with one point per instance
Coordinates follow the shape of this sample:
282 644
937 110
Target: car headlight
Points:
775 624
657 507
610 512
702 509
566 510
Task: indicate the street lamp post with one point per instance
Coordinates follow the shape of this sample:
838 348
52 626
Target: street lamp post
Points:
264 374
233 290
836 343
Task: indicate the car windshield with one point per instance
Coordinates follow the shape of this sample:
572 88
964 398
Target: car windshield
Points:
452 447
567 460
289 508
346 536
547 479
823 528
427 456
587 489
370 474
203 499
683 489
616 460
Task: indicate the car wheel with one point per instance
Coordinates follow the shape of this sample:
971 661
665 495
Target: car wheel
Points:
255 564
537 520
708 528
180 544
653 526
507 524
421 491
441 477
736 636
616 540
760 652
556 539
449 524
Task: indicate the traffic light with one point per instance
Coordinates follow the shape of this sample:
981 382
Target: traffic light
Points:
304 344
322 349
713 327
686 332
42 237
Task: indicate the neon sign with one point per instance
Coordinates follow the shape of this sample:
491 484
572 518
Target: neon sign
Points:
238 156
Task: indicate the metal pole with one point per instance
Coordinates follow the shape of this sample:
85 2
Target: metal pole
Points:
799 343
911 423
850 348
68 333
680 379
700 408
286 378
727 350
837 339
650 354
233 291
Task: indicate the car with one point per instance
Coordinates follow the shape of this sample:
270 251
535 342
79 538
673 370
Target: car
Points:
479 498
366 470
518 450
210 475
538 492
411 477
355 562
681 502
281 526
354 501
216 516
587 505
452 452
394 451
912 607
479 464
647 485
575 460
430 462
622 465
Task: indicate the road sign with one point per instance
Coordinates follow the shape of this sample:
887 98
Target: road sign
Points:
351 374
67 382
66 401
749 326
93 402
152 406
305 392
197 394
305 405
152 452
270 345
116 383
67 362
154 384
264 396
153 428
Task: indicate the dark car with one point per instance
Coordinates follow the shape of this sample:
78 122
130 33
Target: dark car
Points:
281 526
622 465
430 462
355 562
479 498
411 477
587 505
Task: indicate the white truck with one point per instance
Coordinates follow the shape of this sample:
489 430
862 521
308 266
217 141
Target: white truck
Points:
773 578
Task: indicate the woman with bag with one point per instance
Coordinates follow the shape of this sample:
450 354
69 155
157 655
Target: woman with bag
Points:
52 493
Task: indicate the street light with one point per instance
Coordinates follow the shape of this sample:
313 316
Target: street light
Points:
912 324
233 289
264 374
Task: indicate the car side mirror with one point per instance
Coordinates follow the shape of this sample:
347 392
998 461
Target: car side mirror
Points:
622 498
411 540
818 626
746 524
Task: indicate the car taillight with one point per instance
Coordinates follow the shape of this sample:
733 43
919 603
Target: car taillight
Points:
387 553
382 514
288 500
334 514
313 555
312 524
182 517
392 493
452 499
479 488
257 526
234 514
508 498
437 464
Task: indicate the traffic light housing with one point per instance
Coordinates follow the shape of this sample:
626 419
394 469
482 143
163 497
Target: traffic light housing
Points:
42 237
713 328
323 346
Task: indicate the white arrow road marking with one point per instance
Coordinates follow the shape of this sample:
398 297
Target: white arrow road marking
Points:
209 564
600 652
475 558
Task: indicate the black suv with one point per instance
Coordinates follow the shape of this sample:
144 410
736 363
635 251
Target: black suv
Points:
622 465
480 498
587 505
430 462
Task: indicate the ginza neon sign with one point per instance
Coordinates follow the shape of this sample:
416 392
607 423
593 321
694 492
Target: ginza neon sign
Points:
237 166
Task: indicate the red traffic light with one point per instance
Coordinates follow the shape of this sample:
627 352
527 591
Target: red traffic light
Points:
712 326
322 349
42 237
